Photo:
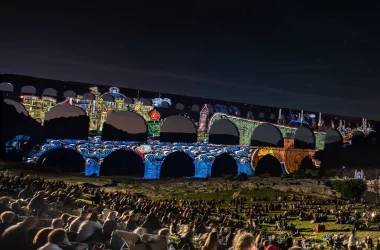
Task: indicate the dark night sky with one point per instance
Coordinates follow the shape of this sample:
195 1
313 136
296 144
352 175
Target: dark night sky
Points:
291 54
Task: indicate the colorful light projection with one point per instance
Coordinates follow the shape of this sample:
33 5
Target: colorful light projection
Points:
154 125
37 107
94 151
203 122
97 109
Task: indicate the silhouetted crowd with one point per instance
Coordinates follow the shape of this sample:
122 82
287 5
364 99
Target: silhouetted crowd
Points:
49 215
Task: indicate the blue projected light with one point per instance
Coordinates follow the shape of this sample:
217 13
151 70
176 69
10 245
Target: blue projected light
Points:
94 151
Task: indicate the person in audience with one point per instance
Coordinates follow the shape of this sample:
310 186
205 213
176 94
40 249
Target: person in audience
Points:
132 222
151 223
212 242
37 203
57 240
90 228
16 237
109 225
4 204
7 219
74 225
244 241
15 207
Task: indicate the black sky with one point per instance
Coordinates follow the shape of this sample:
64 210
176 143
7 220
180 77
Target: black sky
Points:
319 56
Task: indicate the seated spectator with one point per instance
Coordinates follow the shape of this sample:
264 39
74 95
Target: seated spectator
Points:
109 225
74 225
166 233
7 219
57 239
57 223
25 194
151 223
41 237
37 203
212 242
244 241
88 229
15 206
16 237
4 204
132 222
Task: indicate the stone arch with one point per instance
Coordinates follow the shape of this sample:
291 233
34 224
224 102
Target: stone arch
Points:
62 160
268 165
18 106
89 96
108 98
224 132
293 158
304 138
261 116
177 164
28 90
333 139
124 126
69 94
165 105
49 92
195 107
306 163
128 100
6 86
272 116
178 129
267 135
180 106
224 164
124 163
66 121
145 102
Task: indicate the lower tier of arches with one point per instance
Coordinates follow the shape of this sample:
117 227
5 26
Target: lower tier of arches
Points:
165 160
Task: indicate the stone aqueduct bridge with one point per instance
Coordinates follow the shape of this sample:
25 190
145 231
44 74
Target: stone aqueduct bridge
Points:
154 154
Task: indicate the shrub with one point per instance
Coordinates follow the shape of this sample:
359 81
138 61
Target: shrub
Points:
350 188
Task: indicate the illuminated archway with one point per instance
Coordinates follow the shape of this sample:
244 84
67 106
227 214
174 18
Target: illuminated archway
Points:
224 132
267 135
268 165
66 121
177 164
69 93
224 164
28 90
178 129
89 96
6 86
304 138
122 162
306 163
62 160
333 139
49 92
124 126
